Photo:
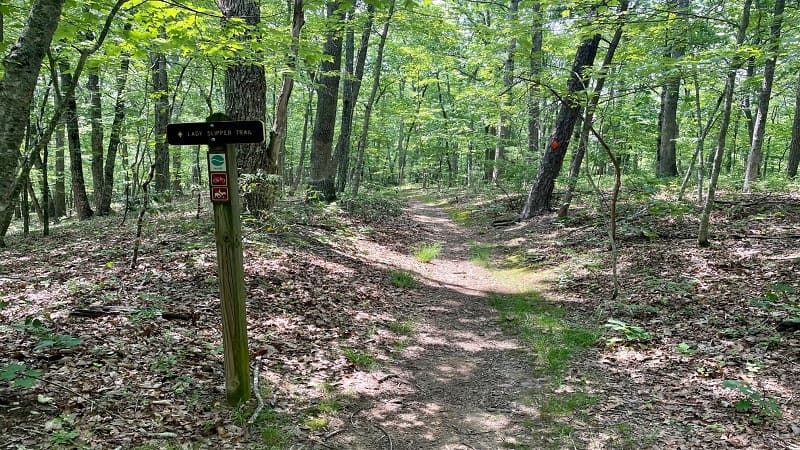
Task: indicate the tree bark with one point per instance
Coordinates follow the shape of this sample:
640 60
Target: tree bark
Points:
504 122
161 116
534 102
754 158
298 178
794 147
246 90
354 70
580 151
60 194
538 201
666 163
82 206
376 82
21 70
277 136
321 177
115 137
730 82
96 121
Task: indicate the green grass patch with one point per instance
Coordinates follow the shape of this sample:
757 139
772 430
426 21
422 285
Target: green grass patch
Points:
402 327
359 358
403 279
562 405
543 326
461 216
480 254
427 252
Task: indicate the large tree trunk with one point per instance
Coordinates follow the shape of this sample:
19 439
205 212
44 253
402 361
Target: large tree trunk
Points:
730 82
376 82
580 151
96 120
351 88
538 201
21 71
794 147
161 116
504 122
246 92
321 177
754 158
81 200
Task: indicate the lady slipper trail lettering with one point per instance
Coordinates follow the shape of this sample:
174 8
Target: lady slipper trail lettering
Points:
207 133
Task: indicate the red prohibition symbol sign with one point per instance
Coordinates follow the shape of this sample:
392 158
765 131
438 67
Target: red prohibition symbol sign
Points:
219 179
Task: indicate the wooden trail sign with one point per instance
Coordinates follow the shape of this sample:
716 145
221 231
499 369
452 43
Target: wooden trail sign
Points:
219 134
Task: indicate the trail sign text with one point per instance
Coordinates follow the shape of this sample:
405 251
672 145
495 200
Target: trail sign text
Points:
208 133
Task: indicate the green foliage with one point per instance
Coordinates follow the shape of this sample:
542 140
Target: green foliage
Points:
46 337
753 402
259 190
630 333
685 349
480 254
403 327
19 374
359 358
64 437
403 279
567 404
543 326
372 208
427 252
782 299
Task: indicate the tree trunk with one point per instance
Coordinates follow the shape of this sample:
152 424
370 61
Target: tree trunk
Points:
246 92
580 151
96 121
504 122
534 101
351 88
794 147
81 200
60 194
666 165
298 178
21 70
376 82
115 137
754 158
161 116
730 82
277 135
321 177
538 201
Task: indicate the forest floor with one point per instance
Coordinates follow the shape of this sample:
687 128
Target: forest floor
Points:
508 338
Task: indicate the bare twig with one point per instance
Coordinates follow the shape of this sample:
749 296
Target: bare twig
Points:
256 391
385 433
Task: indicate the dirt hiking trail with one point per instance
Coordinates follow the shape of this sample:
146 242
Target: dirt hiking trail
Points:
460 382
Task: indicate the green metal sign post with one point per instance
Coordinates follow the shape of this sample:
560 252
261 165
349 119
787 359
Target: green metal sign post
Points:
220 135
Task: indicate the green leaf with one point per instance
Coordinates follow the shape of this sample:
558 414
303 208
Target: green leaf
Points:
9 372
24 382
45 343
744 405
